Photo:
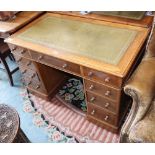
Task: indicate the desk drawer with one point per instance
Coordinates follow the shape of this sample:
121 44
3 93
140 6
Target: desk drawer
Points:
27 73
102 77
20 51
36 86
103 90
94 99
54 62
24 62
101 114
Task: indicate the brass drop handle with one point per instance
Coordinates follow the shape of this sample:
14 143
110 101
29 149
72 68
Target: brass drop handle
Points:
29 63
106 117
92 99
37 87
40 57
19 59
107 105
64 65
23 72
90 74
107 79
91 87
93 112
107 93
23 51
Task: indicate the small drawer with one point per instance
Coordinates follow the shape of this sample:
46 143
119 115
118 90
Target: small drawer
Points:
30 74
19 50
103 90
102 102
102 77
101 114
24 62
54 62
32 84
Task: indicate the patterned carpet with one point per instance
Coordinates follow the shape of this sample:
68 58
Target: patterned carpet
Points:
64 124
11 96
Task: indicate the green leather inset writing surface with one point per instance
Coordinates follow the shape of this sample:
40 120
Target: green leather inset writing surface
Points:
104 43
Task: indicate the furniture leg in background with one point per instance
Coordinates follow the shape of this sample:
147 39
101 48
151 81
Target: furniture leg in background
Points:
4 53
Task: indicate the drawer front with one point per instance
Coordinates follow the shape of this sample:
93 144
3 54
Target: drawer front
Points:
32 75
103 90
102 77
32 84
20 51
102 102
51 61
101 114
24 62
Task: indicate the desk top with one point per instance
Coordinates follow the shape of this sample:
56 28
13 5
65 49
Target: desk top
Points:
14 24
102 45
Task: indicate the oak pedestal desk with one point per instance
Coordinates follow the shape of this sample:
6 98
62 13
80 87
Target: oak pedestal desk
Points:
102 53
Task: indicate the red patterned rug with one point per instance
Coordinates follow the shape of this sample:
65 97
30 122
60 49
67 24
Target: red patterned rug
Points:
63 123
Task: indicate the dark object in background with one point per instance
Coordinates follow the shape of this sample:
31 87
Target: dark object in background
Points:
6 15
10 131
4 53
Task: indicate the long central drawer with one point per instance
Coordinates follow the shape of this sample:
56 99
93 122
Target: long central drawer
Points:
54 62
